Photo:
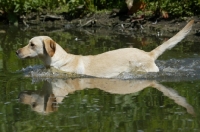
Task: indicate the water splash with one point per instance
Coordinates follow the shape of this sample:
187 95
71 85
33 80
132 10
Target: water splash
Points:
31 68
173 70
40 72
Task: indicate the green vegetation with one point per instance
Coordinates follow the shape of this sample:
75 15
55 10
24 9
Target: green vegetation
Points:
13 9
175 7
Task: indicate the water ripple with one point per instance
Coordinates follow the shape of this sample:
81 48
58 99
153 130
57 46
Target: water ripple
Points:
173 69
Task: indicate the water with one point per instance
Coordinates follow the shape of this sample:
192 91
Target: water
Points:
35 99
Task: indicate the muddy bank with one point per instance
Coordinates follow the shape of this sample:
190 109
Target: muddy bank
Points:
110 20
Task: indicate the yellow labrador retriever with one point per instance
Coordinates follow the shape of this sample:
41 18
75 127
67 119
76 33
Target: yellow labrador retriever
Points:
108 64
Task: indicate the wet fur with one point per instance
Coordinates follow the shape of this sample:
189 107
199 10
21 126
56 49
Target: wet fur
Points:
107 65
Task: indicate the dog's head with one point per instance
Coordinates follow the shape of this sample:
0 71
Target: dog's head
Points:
40 103
38 46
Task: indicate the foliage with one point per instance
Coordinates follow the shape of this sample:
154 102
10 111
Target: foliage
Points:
13 9
175 7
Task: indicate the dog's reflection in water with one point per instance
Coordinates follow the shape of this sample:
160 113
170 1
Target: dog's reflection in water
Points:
54 91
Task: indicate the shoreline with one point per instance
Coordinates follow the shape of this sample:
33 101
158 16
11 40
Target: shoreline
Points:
116 23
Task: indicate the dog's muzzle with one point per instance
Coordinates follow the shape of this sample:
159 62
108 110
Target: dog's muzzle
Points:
18 52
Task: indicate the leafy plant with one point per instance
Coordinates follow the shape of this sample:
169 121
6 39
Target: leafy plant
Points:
13 9
175 8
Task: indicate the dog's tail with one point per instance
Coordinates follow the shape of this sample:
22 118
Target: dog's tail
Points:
172 41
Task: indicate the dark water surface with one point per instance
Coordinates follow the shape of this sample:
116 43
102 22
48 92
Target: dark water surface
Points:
167 101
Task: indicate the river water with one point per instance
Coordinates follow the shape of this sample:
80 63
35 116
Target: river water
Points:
35 99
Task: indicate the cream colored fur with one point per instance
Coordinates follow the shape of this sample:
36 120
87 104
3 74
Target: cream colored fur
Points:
107 65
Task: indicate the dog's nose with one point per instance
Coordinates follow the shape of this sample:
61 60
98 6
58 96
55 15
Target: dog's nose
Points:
17 52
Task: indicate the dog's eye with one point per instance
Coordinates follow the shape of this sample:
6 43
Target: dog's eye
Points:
32 44
34 104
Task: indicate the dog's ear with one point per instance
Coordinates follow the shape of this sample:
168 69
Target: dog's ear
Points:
50 46
51 104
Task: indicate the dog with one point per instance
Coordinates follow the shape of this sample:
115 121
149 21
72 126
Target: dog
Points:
106 65
47 99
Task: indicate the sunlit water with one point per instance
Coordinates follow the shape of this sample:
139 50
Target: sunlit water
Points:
36 99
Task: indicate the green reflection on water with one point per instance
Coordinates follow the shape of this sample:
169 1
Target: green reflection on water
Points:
93 109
